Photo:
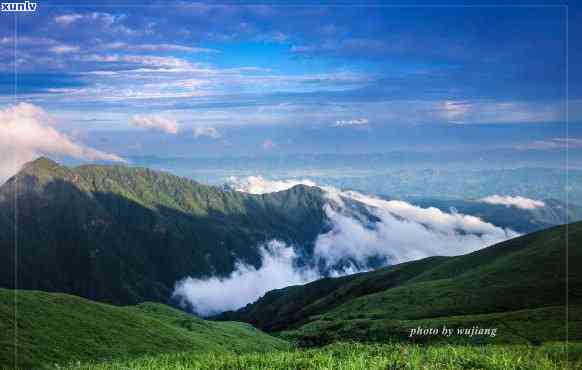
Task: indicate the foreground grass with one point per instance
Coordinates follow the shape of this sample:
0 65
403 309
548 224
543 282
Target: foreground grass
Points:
60 328
355 356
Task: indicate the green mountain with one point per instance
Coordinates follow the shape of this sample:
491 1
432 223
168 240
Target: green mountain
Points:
63 329
517 286
125 235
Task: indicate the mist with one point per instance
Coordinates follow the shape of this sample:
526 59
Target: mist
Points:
246 283
363 231
511 201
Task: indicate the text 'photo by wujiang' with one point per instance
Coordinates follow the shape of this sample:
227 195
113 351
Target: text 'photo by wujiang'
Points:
283 185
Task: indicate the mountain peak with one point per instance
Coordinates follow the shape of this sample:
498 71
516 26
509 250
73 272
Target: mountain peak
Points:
41 163
44 167
45 170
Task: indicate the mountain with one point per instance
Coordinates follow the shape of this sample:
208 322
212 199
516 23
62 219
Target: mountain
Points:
125 235
60 328
518 286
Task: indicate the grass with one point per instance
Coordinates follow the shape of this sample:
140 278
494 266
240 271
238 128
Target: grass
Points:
517 282
355 356
531 326
60 328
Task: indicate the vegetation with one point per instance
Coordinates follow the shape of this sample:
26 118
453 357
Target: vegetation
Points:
60 328
520 283
125 235
354 356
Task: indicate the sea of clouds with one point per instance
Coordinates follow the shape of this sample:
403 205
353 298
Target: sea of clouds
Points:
362 228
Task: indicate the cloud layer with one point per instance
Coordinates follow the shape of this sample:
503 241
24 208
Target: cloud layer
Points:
260 185
245 284
364 232
209 132
351 122
27 131
156 122
510 201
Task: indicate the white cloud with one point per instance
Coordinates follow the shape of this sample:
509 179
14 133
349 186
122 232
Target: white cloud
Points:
157 47
67 19
555 143
399 221
455 110
172 63
27 131
64 49
361 228
246 283
106 21
210 132
510 201
269 144
402 232
156 122
351 122
259 185
463 112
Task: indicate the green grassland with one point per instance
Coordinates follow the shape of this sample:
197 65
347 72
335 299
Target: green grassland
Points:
354 356
533 326
60 328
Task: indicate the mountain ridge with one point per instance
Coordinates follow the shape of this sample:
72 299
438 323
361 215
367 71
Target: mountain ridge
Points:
124 235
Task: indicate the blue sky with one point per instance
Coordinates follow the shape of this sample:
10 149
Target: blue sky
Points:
195 78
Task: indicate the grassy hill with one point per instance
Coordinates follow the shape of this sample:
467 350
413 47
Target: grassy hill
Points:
520 283
60 328
126 235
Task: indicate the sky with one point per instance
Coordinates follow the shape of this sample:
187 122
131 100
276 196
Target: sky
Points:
177 78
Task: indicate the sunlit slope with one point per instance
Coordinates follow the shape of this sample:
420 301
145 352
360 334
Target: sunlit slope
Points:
524 273
59 328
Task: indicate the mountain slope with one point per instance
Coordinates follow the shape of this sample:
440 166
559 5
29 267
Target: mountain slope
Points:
126 235
60 328
520 274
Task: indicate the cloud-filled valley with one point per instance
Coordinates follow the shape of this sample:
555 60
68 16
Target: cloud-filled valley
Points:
246 283
363 232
